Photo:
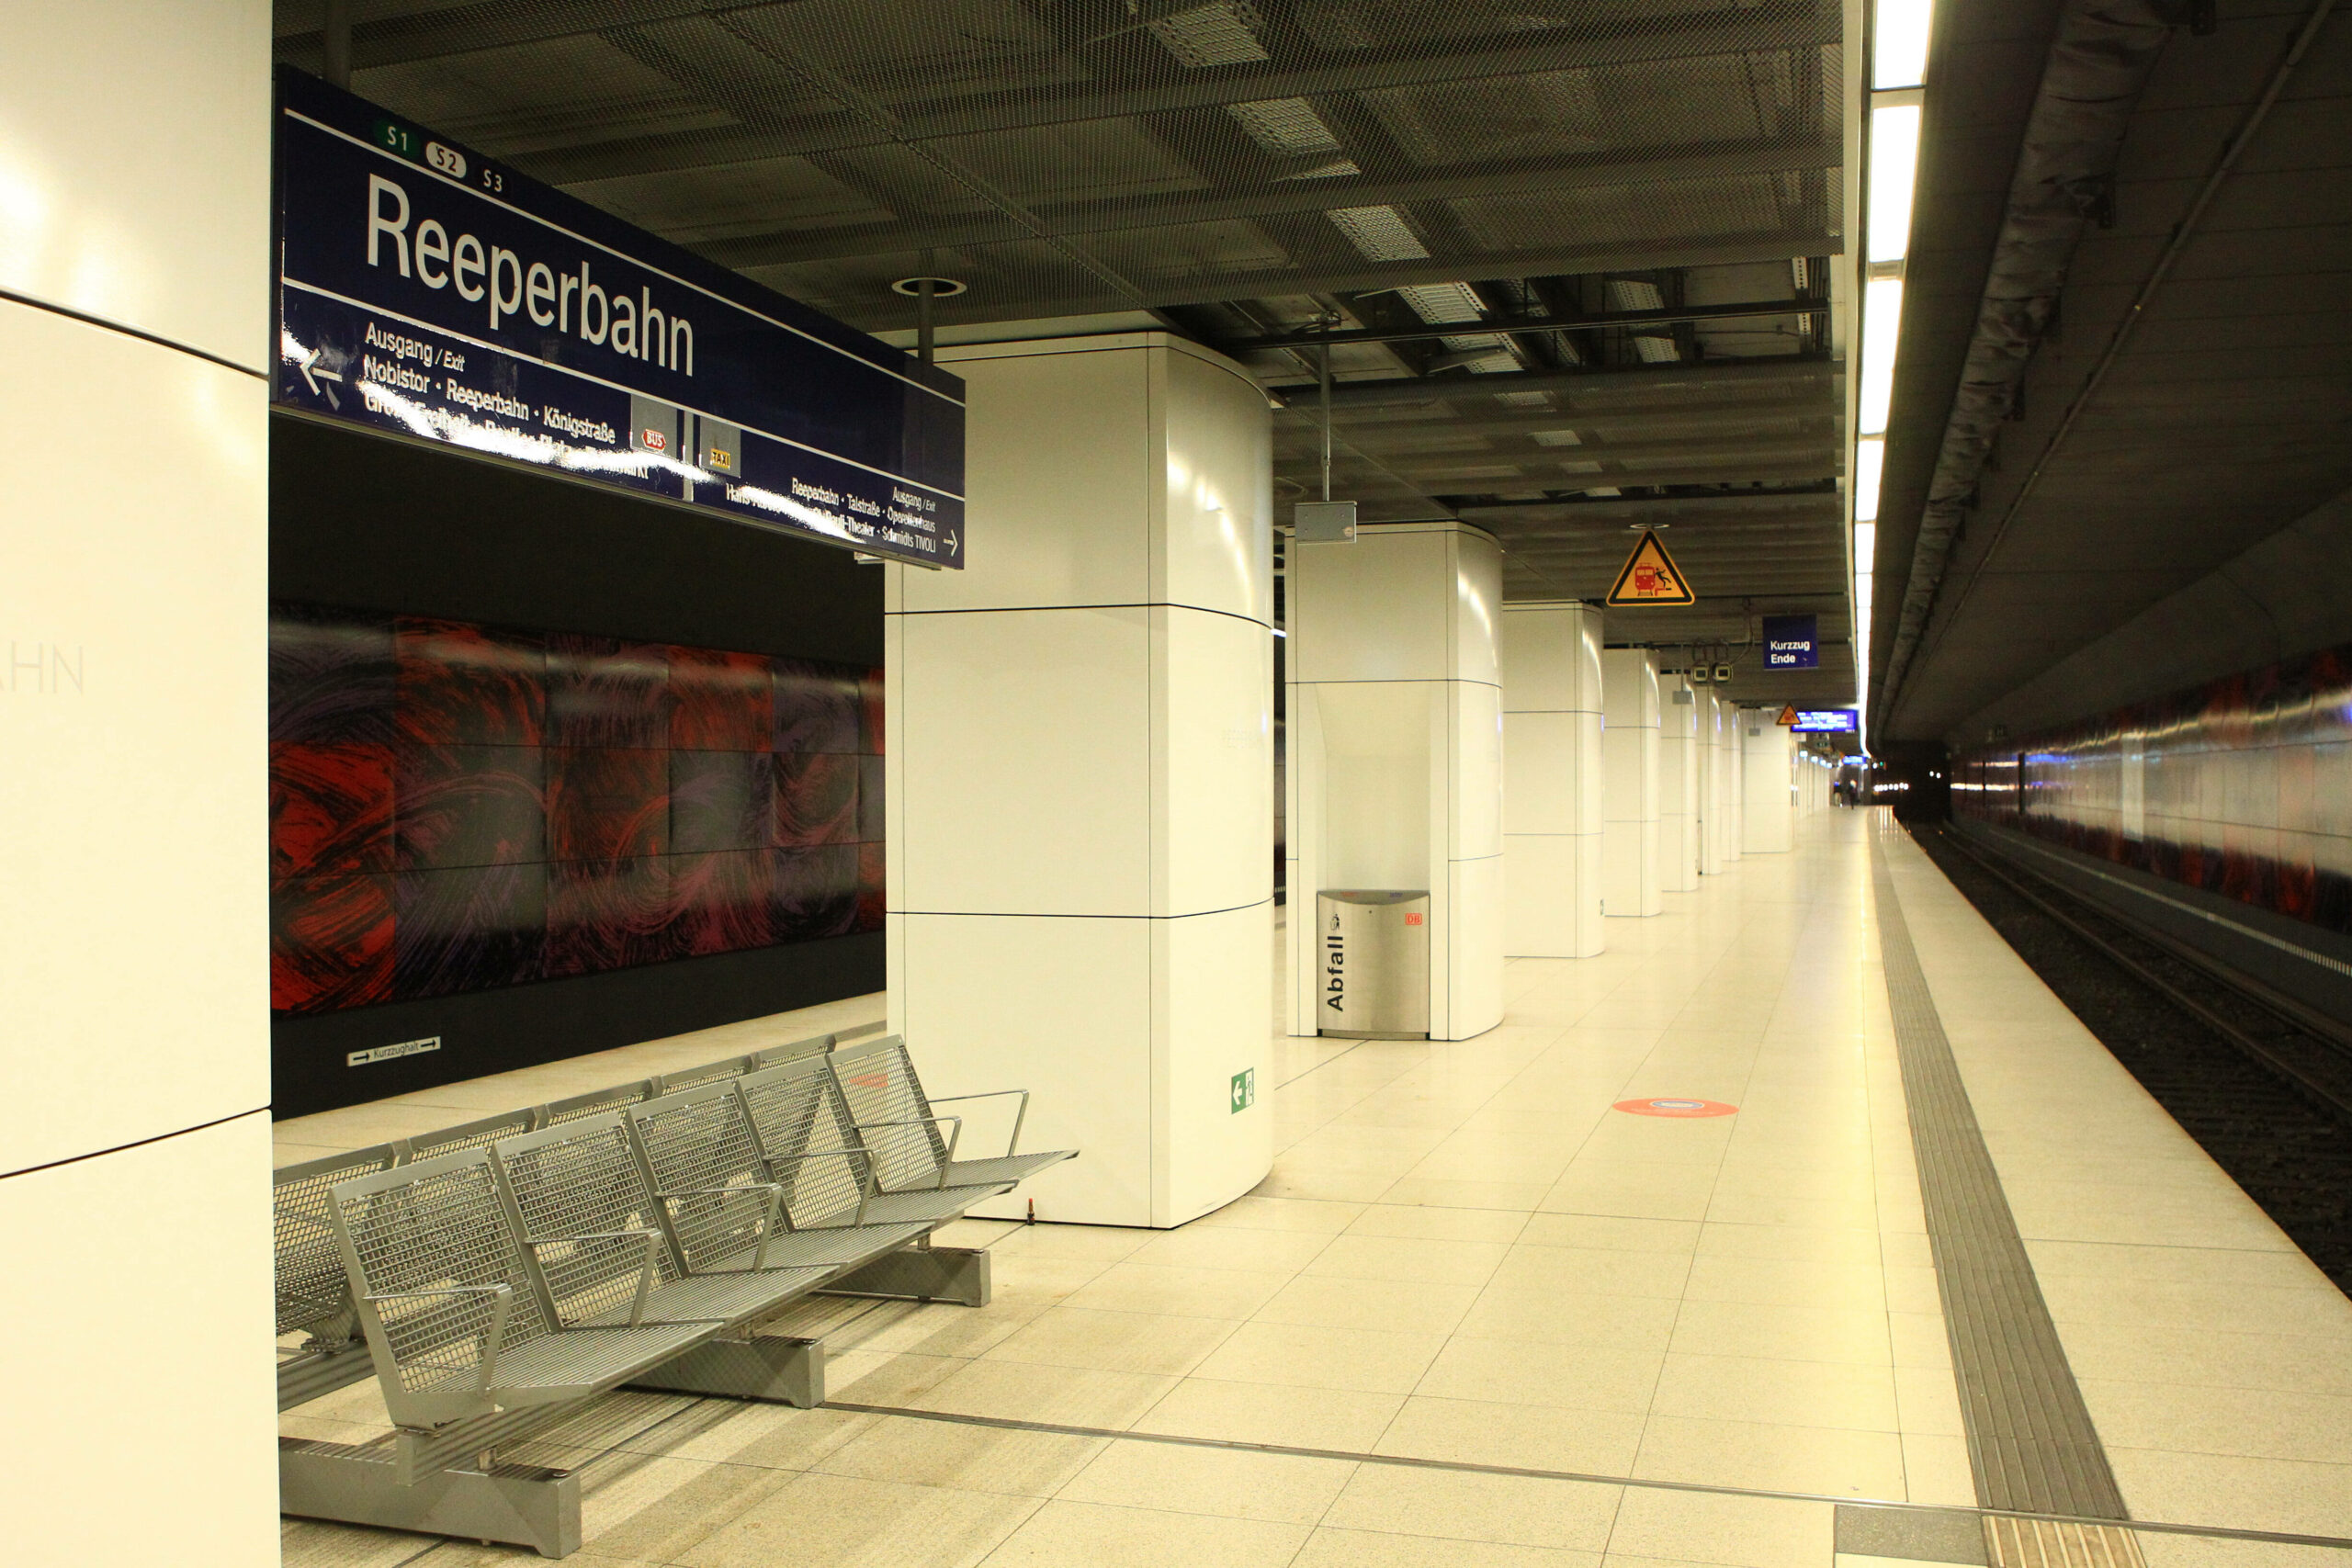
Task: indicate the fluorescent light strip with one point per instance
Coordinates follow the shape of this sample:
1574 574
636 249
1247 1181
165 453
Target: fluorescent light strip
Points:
1865 548
1899 49
1894 170
1881 327
1869 467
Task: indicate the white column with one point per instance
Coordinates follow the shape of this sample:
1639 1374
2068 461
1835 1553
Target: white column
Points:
1396 759
1707 765
1735 777
1552 816
1081 772
1767 817
1677 784
134 923
1629 748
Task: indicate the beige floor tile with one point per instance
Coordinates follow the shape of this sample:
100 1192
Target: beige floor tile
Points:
1609 1233
1425 1223
1793 1394
1091 1535
1281 1215
1920 1339
1230 1246
888 1377
1699 1527
2248 1423
963 1458
1074 1396
1783 1333
1405 1258
1517 1510
1651 1192
1179 1293
1779 1281
1533 1436
771 1437
1299 1356
1577 1377
840 1521
1101 1244
1284 1488
1563 1318
1437 1193
1337 1419
1340 1302
2225 1489
1859 1247
1375 1549
1936 1470
1115 1341
1734 1205
2154 1353
1926 1401
1772 1458
938 1329
1593 1272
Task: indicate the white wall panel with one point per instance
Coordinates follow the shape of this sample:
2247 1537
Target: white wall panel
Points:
1477 608
1365 611
1000 998
1538 773
134 172
1767 817
1217 552
1214 789
1474 949
1024 779
134 741
1476 798
1213 994
1551 657
135 1348
1629 751
1052 520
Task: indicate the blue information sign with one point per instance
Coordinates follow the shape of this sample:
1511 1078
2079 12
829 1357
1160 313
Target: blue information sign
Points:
426 292
1790 642
1825 721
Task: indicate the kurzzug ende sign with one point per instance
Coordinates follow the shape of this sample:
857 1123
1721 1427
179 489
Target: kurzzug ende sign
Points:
425 291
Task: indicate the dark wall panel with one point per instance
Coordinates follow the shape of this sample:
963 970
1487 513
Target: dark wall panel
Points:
553 770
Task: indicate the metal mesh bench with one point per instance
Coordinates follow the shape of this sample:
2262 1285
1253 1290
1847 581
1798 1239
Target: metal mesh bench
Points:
900 1125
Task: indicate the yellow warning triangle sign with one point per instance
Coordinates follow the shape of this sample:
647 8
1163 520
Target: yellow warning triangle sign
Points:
1788 715
1651 576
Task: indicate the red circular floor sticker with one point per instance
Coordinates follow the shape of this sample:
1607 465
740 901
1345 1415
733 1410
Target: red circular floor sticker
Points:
1674 1108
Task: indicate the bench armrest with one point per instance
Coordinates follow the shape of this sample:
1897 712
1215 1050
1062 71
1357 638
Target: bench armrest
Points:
647 1269
767 1222
955 1132
501 1310
1019 1116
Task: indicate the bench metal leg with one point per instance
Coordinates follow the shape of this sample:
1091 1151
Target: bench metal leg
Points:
786 1371
521 1505
924 1274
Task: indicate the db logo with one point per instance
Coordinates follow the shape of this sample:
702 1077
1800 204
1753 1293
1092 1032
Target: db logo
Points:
655 441
1412 920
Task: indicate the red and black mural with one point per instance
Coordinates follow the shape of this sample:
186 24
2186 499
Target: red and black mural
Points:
2242 786
458 807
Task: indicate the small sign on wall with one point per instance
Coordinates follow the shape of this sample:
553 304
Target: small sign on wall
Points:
1245 1090
392 1053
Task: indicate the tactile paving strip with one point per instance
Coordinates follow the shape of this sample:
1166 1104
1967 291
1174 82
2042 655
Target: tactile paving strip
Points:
2031 1440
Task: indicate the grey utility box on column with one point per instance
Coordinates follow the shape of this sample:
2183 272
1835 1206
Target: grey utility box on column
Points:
1374 968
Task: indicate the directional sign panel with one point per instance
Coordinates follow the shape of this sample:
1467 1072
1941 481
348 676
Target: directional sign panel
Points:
1792 642
1650 577
428 292
1825 721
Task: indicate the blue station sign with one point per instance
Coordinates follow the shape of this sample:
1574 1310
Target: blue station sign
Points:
1825 721
1792 642
426 292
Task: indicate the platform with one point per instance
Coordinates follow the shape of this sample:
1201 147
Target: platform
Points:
1479 1317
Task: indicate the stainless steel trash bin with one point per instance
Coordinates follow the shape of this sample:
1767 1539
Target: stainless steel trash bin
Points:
1373 962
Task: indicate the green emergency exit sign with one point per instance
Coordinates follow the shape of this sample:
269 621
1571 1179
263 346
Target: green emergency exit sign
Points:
1245 1090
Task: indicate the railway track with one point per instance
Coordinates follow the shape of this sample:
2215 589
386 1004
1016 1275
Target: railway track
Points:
2263 1086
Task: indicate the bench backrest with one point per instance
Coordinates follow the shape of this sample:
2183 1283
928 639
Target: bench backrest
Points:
583 1179
313 1292
435 1238
597 1103
803 1128
697 1146
479 1133
879 1086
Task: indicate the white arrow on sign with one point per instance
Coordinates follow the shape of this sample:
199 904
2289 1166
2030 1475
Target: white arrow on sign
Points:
313 375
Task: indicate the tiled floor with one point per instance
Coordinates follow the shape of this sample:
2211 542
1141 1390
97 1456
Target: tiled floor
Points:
1465 1255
